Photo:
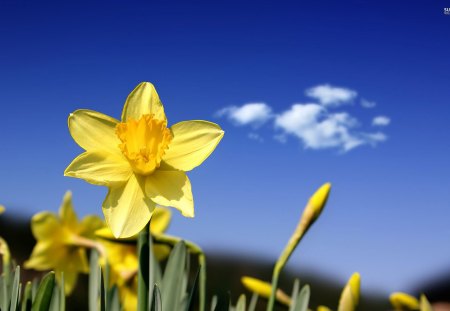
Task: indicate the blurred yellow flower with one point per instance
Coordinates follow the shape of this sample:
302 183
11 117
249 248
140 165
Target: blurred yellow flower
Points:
264 289
350 295
401 301
323 308
123 260
140 159
62 242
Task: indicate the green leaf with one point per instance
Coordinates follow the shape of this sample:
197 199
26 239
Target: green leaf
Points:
62 294
15 290
193 292
241 304
94 281
27 297
157 303
44 293
34 288
114 304
213 303
303 299
253 302
173 277
143 269
294 294
54 302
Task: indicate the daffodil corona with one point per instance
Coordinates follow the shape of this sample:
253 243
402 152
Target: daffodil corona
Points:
140 159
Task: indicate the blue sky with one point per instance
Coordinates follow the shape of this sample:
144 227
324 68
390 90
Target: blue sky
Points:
388 213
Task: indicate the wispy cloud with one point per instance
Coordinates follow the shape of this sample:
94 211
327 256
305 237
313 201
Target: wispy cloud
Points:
252 113
317 125
329 95
255 136
367 103
381 121
317 128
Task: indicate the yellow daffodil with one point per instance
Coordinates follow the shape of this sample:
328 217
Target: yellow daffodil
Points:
350 295
263 289
4 248
123 260
401 301
62 242
425 304
140 159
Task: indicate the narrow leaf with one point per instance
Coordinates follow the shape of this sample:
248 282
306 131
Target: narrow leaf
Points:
44 293
303 299
173 277
27 298
157 303
15 290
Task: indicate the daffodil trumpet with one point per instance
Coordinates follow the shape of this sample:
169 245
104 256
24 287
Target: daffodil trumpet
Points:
310 214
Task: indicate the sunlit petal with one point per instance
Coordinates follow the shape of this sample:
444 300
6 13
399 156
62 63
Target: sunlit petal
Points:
192 143
93 130
99 168
126 208
143 100
171 188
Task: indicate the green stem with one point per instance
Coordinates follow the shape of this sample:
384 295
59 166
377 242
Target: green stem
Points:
143 270
299 232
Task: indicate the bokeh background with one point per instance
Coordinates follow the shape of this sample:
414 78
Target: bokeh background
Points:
355 93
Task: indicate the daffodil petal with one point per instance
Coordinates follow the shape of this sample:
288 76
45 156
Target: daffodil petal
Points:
171 188
93 130
160 220
70 279
99 168
192 143
45 256
126 208
66 212
143 100
89 225
45 225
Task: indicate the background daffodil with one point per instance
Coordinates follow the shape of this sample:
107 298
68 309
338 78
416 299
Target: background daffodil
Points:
62 242
140 159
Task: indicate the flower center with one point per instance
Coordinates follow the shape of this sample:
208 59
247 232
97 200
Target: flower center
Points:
144 142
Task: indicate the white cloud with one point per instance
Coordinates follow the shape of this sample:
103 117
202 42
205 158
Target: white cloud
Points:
318 129
251 113
367 103
381 121
331 96
255 136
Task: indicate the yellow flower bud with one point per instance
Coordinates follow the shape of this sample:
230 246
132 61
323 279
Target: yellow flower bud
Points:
402 301
350 295
323 308
263 289
425 304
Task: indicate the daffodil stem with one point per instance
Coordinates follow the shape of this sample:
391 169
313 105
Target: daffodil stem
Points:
143 272
88 243
281 262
